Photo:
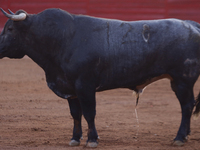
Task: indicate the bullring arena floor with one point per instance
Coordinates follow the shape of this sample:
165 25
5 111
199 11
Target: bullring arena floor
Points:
33 118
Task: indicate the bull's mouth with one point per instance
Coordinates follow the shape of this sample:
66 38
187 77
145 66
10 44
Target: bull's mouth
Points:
1 56
2 53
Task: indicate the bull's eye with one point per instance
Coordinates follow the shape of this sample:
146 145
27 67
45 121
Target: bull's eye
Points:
10 28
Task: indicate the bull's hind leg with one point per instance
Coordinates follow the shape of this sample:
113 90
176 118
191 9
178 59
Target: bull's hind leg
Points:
76 113
184 93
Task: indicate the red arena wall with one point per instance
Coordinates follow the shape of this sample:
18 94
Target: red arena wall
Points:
116 9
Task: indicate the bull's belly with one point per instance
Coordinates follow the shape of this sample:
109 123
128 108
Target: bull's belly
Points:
137 87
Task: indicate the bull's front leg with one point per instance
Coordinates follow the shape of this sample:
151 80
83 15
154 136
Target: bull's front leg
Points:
184 93
76 112
86 94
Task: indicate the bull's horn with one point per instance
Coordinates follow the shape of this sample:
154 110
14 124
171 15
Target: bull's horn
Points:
11 12
20 17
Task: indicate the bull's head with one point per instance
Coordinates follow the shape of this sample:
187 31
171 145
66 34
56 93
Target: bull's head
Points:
11 44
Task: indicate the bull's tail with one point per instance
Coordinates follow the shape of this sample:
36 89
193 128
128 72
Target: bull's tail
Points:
197 106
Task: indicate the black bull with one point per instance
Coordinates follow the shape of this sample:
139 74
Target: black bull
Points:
82 55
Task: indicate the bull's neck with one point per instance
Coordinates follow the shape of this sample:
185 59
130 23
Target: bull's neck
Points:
39 59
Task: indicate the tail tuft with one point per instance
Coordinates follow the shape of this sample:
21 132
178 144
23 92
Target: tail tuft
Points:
197 105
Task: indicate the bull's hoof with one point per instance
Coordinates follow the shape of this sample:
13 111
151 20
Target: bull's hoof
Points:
178 143
74 143
91 144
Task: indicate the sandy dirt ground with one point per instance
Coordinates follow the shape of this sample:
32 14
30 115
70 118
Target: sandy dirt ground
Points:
32 117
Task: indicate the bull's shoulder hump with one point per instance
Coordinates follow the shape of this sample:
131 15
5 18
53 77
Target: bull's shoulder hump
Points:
170 21
193 23
92 19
